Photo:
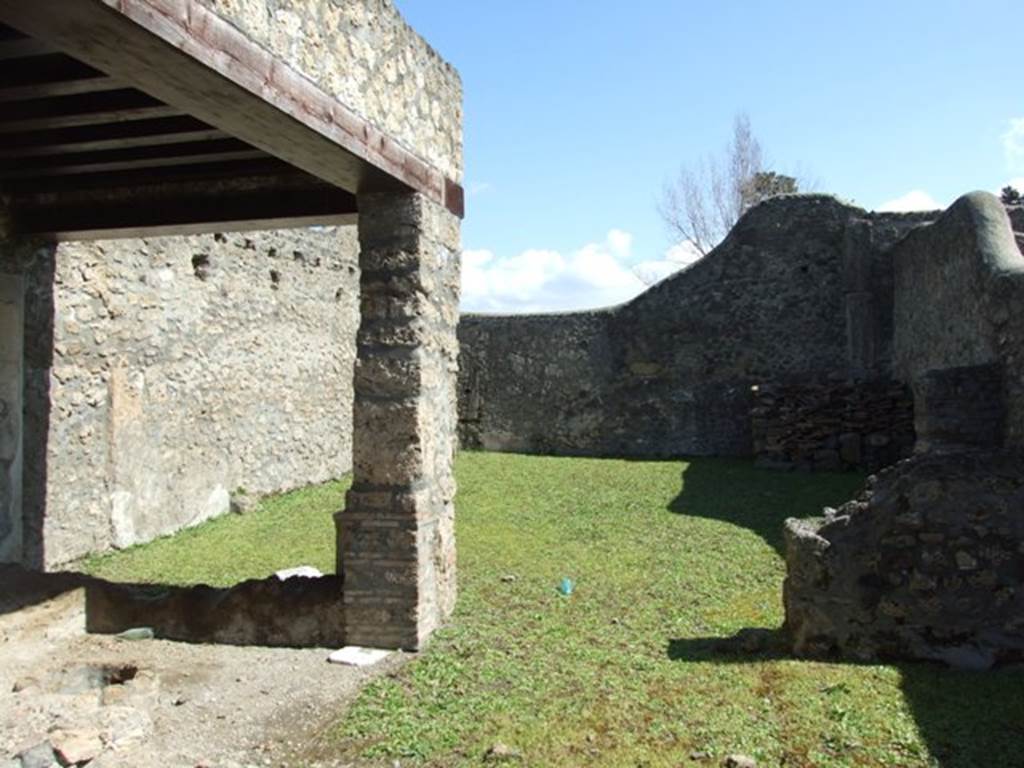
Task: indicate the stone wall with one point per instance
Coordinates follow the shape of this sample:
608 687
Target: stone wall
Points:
960 300
1016 214
165 374
364 54
928 563
11 386
832 424
801 286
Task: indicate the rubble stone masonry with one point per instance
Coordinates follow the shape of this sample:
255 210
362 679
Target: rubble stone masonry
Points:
164 375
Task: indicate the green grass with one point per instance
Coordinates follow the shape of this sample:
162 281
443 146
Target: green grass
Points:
667 557
286 530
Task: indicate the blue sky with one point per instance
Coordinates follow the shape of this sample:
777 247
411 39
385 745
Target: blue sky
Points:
577 112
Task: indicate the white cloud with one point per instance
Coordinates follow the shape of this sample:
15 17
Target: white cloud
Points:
1013 143
620 243
915 200
678 256
597 275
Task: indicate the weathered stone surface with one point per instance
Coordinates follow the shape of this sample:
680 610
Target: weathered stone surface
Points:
164 375
296 613
77 746
39 756
11 405
960 407
927 563
960 300
364 54
831 424
1016 215
670 372
396 545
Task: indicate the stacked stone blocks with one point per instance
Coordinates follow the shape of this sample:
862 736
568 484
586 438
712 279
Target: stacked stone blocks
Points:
926 563
396 539
831 424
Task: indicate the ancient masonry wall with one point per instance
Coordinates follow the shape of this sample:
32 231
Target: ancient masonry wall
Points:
12 303
960 301
832 424
927 562
801 287
363 53
182 369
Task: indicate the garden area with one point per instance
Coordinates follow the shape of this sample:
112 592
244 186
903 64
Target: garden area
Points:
666 651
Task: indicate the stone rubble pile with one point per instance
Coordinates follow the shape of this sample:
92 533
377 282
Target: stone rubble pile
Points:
86 715
927 563
831 424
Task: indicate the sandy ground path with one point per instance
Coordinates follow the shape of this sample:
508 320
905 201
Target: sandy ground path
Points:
120 704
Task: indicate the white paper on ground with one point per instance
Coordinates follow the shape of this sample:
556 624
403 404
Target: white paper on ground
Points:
303 571
357 656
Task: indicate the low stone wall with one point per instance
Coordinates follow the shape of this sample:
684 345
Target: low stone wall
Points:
928 563
163 375
802 286
295 613
832 424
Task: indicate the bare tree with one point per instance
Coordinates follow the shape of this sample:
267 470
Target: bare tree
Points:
705 201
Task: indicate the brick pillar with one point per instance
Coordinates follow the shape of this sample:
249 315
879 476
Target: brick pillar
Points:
396 541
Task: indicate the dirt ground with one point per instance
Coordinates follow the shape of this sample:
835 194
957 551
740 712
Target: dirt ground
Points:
111 703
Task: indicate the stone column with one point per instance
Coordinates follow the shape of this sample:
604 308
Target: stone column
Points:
12 297
396 540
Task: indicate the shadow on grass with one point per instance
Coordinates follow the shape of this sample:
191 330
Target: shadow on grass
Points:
966 719
759 500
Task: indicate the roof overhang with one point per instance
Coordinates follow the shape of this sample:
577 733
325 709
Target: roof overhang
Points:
134 117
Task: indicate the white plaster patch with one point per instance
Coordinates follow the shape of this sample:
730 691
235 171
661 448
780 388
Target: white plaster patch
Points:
217 503
122 523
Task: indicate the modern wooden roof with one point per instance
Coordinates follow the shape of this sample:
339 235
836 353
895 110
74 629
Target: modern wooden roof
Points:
135 117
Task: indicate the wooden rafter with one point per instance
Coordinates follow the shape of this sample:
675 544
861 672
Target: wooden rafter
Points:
184 56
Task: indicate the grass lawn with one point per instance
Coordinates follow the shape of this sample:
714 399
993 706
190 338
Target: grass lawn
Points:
668 558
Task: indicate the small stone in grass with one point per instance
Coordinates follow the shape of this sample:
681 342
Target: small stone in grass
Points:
739 761
509 578
502 753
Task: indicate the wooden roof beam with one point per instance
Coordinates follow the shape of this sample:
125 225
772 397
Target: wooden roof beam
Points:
185 55
135 133
81 109
230 204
